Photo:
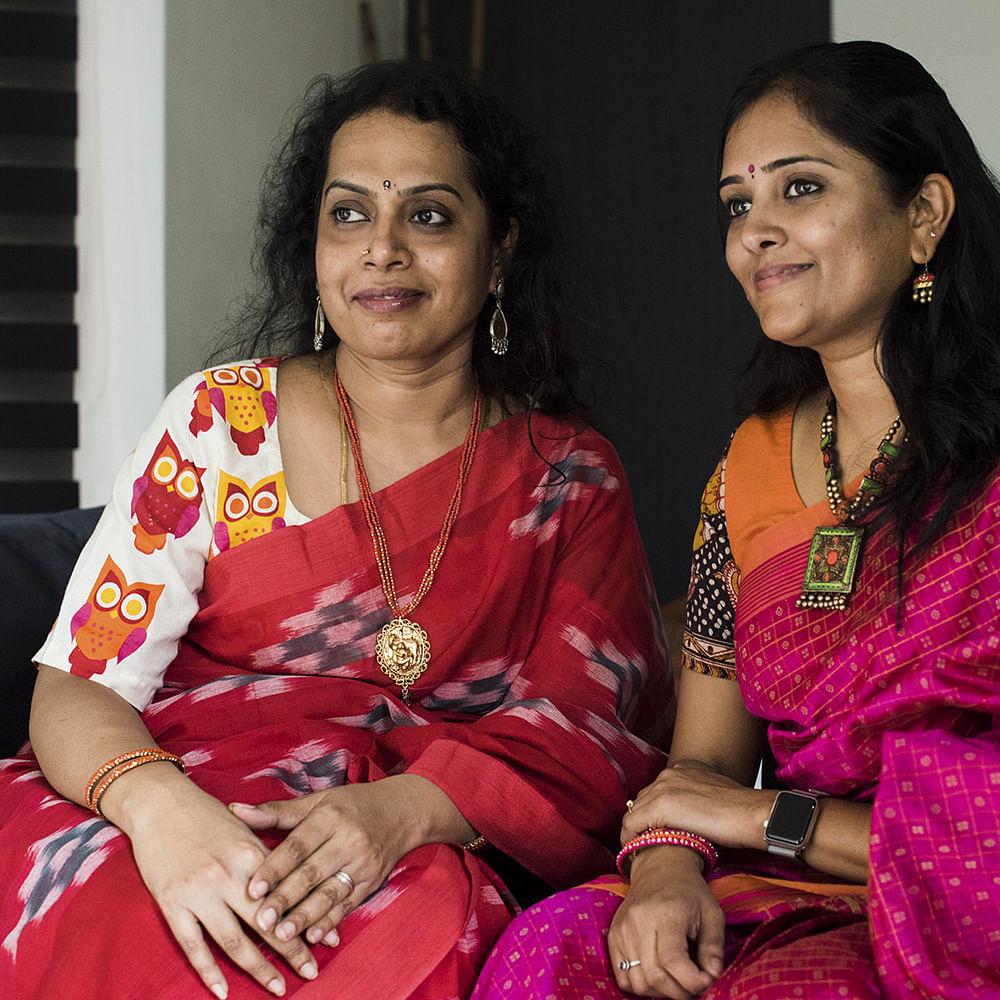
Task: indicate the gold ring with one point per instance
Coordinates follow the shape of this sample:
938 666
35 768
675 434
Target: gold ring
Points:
629 804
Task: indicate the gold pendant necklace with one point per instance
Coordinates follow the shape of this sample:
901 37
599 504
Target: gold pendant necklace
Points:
402 649
835 552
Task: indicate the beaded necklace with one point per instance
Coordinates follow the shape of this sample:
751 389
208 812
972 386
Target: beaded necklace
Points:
836 550
402 648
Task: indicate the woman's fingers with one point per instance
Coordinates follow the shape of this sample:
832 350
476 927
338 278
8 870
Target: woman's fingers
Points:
227 932
329 902
187 933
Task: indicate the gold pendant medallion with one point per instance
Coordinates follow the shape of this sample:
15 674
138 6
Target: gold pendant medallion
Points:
833 561
403 651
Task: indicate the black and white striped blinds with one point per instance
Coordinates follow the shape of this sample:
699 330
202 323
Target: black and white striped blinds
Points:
38 266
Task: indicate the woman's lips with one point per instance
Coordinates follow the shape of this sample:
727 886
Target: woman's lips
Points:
388 300
777 274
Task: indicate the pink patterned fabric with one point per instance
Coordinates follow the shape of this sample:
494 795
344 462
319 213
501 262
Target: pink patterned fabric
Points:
899 714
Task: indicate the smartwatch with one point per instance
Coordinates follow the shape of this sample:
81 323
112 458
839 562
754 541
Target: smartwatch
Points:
790 825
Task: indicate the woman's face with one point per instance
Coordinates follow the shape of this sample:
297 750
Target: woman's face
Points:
404 258
813 238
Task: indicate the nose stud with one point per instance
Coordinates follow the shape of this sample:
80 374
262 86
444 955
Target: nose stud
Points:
366 251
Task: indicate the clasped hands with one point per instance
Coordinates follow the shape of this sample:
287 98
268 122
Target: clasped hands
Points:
210 873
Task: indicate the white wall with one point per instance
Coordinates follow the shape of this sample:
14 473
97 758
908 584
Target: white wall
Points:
179 103
119 232
234 68
957 41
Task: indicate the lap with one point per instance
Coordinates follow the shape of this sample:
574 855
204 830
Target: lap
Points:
76 921
790 945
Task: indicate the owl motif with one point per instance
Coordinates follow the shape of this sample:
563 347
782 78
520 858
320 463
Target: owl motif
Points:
166 498
242 395
112 624
246 512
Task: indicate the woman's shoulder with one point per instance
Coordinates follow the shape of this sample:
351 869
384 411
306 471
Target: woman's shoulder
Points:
556 437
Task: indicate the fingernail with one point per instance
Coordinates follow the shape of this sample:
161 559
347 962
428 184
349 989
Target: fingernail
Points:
258 889
332 939
239 805
277 987
286 931
309 970
313 935
267 918
219 989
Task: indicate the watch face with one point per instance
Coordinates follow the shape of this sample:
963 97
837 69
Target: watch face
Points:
790 818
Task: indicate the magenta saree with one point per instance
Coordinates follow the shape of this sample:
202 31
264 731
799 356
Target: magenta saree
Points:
904 718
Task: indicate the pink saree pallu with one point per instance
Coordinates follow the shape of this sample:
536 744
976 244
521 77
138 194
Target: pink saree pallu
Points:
545 656
896 707
903 717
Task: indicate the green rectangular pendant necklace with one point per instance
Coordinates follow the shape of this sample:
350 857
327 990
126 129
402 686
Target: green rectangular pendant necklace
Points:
836 549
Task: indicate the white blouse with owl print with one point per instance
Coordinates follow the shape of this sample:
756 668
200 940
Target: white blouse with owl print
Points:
205 476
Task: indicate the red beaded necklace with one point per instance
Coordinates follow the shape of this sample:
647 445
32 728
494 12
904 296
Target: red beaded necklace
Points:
402 648
836 550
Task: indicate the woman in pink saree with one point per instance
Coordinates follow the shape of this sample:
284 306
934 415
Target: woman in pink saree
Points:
845 587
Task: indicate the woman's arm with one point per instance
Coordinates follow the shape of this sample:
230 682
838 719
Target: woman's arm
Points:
194 856
714 759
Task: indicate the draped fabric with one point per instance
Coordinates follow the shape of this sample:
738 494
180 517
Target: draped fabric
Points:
546 687
891 705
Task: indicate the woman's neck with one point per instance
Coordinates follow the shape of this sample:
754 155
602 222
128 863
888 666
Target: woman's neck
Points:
408 400
865 405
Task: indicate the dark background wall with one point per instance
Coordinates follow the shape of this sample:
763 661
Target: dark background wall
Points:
629 95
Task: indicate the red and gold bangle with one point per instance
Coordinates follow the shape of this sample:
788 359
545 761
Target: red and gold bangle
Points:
668 838
108 773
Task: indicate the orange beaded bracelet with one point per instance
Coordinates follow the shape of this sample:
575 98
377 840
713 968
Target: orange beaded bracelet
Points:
109 772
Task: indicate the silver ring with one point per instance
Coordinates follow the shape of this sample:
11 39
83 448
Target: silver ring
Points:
625 964
346 879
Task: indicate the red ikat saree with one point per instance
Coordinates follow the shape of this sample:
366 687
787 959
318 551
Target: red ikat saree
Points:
546 659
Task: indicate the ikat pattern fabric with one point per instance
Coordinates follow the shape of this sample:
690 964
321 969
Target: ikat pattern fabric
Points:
544 706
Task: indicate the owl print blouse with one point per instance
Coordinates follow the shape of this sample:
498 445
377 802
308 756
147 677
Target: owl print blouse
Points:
205 477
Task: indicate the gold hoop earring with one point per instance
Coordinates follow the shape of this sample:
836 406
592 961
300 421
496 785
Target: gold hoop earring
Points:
499 341
319 326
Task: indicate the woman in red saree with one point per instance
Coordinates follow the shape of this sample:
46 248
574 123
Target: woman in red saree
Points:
875 872
384 600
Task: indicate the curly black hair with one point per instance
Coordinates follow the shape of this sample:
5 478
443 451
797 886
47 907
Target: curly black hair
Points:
545 367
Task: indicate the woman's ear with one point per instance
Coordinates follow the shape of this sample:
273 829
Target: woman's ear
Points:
504 253
930 211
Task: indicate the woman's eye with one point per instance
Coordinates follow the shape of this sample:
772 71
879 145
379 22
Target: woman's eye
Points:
800 188
735 207
342 213
430 217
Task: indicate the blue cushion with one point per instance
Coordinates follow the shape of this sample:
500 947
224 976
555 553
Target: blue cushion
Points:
37 555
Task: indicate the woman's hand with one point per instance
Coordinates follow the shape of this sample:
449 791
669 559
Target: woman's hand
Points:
671 924
698 800
196 859
360 831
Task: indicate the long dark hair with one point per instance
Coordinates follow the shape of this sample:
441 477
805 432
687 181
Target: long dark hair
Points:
544 367
941 361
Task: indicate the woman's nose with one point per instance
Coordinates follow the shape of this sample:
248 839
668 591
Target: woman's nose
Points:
388 244
761 229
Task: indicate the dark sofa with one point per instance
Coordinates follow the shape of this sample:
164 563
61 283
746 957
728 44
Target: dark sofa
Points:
37 553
